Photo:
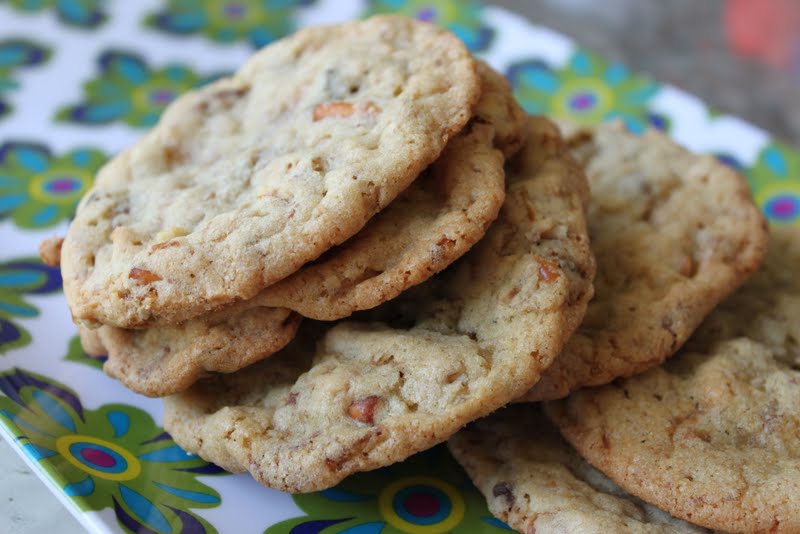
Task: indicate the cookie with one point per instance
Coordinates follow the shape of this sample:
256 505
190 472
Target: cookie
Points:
712 436
371 394
673 233
90 341
535 482
161 361
765 308
244 181
436 220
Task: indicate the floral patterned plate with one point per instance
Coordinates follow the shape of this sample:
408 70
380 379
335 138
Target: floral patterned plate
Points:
82 79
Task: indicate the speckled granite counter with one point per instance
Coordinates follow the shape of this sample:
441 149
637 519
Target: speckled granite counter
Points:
681 42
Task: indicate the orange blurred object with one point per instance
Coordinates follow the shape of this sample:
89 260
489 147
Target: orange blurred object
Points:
765 29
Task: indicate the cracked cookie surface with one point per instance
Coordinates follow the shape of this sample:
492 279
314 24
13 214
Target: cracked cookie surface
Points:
371 394
245 180
673 234
710 436
536 482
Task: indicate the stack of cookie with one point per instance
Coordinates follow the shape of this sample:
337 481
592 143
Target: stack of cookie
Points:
359 243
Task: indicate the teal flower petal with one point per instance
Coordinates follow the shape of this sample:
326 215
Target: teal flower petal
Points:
37 453
54 410
120 422
32 158
640 95
581 64
10 202
541 80
79 13
775 161
80 489
45 216
168 454
144 509
123 66
194 496
615 74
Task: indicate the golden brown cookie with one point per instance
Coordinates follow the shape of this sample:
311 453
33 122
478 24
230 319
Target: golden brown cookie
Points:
90 341
713 436
372 394
673 233
535 482
167 359
244 181
435 221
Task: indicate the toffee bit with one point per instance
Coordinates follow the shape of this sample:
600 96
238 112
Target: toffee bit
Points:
342 109
143 276
549 271
165 244
333 110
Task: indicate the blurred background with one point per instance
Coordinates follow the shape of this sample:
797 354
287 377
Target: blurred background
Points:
740 56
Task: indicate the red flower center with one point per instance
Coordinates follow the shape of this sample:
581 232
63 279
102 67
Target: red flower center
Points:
421 504
97 457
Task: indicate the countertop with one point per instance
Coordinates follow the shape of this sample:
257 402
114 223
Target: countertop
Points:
681 42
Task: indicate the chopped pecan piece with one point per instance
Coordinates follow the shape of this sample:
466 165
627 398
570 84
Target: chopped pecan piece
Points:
50 251
341 109
333 109
364 409
549 271
164 244
143 276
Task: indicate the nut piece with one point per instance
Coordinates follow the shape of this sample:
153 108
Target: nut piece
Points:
50 251
143 276
175 231
341 109
332 109
548 271
364 409
502 489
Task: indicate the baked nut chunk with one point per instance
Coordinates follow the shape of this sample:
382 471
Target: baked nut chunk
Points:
674 233
711 436
246 180
371 394
534 481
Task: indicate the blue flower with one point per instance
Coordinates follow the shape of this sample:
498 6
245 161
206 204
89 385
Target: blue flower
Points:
14 54
588 90
112 457
128 90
